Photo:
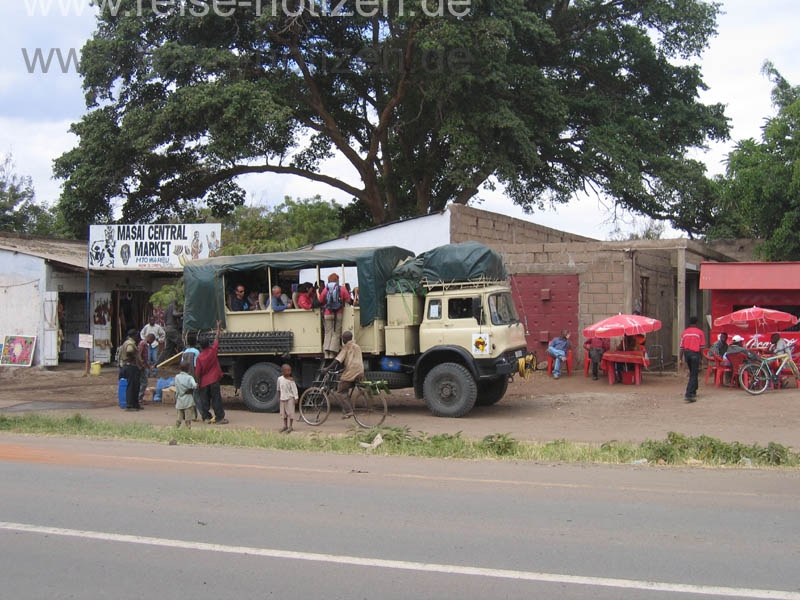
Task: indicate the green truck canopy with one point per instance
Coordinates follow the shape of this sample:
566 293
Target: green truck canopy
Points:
204 285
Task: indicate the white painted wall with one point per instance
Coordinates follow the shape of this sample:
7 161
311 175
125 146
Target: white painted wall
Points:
418 235
21 282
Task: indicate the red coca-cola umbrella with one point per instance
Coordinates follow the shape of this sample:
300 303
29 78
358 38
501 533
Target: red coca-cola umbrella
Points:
619 325
755 319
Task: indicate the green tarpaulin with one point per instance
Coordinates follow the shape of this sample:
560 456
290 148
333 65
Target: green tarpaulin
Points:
204 283
466 261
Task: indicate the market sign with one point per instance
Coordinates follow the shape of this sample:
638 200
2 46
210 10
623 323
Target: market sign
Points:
154 246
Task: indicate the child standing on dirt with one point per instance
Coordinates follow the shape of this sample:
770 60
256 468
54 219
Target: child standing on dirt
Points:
287 389
184 394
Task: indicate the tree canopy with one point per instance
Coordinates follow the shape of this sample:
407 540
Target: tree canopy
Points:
759 196
427 100
19 211
290 225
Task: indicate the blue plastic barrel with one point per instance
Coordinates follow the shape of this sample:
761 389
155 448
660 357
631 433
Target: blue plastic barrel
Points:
122 390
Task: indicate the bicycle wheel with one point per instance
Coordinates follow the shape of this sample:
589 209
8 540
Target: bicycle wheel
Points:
369 410
754 378
314 406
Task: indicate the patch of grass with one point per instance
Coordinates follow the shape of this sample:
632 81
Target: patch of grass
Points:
676 449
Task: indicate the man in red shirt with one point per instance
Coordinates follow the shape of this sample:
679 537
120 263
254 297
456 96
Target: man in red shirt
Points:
692 340
208 373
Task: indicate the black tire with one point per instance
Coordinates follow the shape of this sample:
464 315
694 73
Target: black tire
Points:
492 391
314 406
396 381
754 379
260 387
369 410
449 390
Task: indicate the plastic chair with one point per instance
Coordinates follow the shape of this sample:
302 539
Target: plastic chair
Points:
711 366
567 360
736 361
723 368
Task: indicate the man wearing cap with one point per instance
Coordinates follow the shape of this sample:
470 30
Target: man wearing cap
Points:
692 340
736 347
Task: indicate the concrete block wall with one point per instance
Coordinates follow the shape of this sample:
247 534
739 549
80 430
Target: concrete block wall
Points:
500 232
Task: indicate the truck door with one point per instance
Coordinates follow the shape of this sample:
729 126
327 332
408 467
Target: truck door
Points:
459 321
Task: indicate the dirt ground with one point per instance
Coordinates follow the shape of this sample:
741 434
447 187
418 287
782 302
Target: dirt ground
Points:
573 408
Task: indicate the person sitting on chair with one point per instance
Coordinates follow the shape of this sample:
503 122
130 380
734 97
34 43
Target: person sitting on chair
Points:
558 349
720 347
737 348
779 346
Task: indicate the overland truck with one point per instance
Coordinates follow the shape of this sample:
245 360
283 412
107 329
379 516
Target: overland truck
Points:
448 326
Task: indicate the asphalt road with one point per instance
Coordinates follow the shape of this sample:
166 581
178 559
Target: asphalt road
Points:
94 519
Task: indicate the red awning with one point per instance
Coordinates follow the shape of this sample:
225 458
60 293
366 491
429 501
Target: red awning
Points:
750 276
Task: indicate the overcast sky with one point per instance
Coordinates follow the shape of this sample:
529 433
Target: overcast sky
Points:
37 109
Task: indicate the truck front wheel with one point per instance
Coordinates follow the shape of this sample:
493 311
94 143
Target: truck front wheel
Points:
491 391
260 387
449 390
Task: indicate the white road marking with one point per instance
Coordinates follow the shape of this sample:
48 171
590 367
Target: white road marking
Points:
356 561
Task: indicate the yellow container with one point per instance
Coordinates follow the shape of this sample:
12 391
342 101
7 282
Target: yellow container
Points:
96 368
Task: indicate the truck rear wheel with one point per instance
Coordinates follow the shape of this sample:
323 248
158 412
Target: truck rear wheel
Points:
260 387
491 391
395 380
449 390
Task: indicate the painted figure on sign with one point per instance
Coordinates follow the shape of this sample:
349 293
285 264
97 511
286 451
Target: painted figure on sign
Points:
197 246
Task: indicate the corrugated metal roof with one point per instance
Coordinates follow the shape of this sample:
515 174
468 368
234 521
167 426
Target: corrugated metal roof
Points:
750 276
70 253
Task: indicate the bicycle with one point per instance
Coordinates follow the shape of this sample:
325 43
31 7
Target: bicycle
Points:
755 377
366 398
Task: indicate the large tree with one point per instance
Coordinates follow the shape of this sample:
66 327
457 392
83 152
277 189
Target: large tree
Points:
19 210
545 97
760 192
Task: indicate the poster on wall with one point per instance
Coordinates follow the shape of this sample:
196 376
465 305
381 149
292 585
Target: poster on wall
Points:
154 246
18 350
101 327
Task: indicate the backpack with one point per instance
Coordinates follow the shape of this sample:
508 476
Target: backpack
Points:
333 301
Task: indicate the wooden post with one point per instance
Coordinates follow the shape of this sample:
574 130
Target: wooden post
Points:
681 294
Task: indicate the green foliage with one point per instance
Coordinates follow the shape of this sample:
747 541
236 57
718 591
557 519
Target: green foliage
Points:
759 196
168 293
547 98
501 444
19 211
290 225
677 449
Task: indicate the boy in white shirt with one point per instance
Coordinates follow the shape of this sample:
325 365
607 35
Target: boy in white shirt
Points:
287 390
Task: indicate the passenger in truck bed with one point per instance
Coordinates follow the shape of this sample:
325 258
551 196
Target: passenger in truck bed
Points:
239 300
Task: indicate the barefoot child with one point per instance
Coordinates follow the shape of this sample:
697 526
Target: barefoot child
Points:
287 389
184 394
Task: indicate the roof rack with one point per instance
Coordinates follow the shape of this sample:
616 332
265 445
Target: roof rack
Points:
459 285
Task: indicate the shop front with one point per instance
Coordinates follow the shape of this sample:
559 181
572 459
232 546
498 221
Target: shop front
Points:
735 286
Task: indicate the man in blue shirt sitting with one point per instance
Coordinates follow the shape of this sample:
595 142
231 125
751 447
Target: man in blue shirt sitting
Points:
558 349
279 301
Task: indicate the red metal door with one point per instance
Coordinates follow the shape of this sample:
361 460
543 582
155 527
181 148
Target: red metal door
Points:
546 304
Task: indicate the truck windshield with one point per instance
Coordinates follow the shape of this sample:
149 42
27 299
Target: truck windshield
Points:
502 310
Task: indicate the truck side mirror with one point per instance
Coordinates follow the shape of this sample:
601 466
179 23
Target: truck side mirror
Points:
477 310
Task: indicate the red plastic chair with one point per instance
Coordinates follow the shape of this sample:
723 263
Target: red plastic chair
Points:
736 361
711 366
723 367
567 360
